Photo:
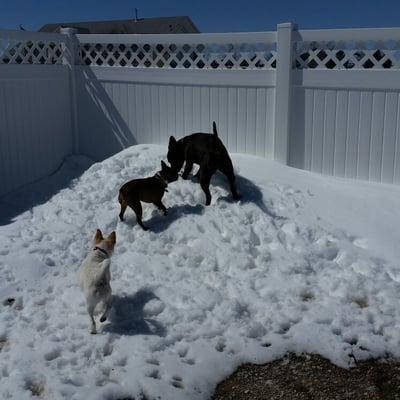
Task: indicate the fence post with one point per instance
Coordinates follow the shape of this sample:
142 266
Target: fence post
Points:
283 91
70 55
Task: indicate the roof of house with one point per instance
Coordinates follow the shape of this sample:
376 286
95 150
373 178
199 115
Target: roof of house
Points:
144 25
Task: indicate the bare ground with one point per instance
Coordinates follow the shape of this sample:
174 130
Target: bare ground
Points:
312 377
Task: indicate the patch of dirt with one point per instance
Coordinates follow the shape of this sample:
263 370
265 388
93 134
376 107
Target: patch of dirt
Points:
36 388
312 377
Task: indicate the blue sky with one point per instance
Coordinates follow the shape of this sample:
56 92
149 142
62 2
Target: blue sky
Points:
209 16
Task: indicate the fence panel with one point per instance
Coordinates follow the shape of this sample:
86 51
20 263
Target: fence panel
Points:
345 103
115 114
35 124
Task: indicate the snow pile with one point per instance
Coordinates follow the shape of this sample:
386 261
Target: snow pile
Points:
302 263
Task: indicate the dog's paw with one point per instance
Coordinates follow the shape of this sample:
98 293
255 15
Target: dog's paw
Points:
144 227
93 332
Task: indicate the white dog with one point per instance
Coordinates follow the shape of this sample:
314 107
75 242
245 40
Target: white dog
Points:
94 276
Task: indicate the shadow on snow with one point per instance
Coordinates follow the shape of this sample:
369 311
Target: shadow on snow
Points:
41 191
128 317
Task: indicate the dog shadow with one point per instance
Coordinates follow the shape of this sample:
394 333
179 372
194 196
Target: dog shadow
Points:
158 222
249 192
127 316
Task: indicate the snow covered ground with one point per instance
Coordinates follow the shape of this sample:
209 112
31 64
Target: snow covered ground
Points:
302 263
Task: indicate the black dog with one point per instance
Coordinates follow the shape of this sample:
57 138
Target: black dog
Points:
148 190
206 150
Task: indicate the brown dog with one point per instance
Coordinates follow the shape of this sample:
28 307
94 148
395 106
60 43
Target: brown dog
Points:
148 190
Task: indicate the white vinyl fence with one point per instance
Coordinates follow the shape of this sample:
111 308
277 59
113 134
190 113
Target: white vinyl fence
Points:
346 103
327 101
142 89
35 112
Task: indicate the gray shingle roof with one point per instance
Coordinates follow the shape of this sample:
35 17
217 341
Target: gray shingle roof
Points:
146 25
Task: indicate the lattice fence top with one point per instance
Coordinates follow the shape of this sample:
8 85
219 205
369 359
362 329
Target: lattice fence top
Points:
22 51
348 55
180 56
245 51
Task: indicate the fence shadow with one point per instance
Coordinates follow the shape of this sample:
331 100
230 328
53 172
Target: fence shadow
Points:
102 121
39 192
128 317
297 127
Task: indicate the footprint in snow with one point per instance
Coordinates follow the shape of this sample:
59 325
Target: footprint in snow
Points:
217 228
108 349
155 374
9 301
76 381
351 340
182 352
3 343
152 361
220 346
52 355
49 262
336 331
200 228
283 328
177 382
121 362
307 296
254 239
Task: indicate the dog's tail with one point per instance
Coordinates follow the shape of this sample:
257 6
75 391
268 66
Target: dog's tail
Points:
104 268
215 129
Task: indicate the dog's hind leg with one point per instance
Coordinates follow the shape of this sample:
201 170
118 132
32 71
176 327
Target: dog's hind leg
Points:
90 310
205 178
123 204
121 214
137 208
187 170
227 170
107 307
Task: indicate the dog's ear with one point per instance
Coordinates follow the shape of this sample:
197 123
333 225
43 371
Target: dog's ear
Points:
98 237
112 238
172 141
163 165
